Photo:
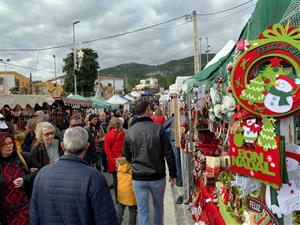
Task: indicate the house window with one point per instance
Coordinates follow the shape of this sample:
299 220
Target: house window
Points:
17 83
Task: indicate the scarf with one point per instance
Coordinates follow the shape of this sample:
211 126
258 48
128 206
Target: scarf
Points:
282 95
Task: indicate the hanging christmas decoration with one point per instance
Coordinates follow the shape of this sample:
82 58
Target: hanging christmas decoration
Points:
259 78
251 159
267 136
254 91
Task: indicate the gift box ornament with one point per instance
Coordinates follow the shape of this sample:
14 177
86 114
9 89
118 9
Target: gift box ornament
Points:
225 161
213 162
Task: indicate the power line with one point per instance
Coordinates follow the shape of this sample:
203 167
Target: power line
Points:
217 18
124 33
29 68
225 10
93 40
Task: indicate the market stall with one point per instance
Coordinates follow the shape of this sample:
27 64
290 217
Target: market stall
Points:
243 125
118 100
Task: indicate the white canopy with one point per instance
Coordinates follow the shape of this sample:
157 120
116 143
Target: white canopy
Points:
23 100
129 97
222 53
135 94
117 99
164 98
175 88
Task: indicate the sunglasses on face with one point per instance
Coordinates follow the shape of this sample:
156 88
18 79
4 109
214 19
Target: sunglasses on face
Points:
49 134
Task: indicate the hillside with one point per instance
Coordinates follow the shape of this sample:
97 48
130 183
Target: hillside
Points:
166 73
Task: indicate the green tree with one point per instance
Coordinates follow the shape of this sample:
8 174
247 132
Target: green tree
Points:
254 91
267 135
86 75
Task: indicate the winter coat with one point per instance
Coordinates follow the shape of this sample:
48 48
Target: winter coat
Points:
125 189
16 169
146 148
159 120
39 153
113 145
69 191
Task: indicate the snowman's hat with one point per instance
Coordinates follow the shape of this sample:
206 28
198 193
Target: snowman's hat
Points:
291 79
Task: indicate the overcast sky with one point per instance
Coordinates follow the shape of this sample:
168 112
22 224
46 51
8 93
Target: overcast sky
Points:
46 23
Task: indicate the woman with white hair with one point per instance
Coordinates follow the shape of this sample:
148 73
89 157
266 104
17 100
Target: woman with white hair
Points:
46 150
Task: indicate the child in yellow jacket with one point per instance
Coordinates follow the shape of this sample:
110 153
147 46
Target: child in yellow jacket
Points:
125 195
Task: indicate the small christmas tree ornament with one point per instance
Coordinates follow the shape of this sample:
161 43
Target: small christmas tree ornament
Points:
267 135
254 92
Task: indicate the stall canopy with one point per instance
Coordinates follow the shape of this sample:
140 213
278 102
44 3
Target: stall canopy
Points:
176 87
77 100
135 94
117 99
100 104
23 100
129 97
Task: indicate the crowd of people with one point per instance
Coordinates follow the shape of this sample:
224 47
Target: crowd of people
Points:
53 176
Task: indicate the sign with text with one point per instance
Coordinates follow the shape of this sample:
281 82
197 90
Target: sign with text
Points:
256 162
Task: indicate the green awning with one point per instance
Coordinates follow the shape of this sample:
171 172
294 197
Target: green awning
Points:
100 104
77 97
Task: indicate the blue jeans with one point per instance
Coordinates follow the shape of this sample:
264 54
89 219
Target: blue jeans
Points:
142 189
178 164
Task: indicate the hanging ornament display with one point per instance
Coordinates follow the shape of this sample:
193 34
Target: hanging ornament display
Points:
254 91
262 215
251 159
265 79
267 136
238 136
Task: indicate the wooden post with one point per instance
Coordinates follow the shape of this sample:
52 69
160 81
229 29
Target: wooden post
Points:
197 55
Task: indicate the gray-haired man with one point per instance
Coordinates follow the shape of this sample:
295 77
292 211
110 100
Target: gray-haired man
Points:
69 191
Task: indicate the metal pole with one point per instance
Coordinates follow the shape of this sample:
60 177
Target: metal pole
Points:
207 51
74 58
55 70
5 78
6 83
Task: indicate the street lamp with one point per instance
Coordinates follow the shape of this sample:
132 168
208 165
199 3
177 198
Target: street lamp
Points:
74 57
5 61
55 70
207 50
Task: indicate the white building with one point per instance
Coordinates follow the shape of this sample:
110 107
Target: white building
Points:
149 83
60 80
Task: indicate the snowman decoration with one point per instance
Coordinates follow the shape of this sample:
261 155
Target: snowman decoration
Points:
251 130
279 99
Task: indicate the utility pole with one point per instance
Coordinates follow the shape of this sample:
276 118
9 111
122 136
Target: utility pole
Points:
98 78
114 82
125 82
30 83
197 56
55 70
74 58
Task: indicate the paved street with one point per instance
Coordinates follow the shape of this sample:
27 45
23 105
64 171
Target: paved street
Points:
173 214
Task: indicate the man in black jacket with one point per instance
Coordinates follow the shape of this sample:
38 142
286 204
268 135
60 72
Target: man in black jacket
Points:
146 148
71 192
